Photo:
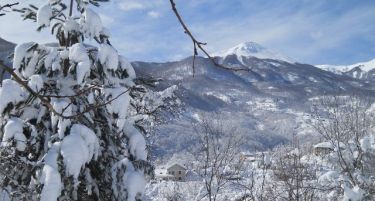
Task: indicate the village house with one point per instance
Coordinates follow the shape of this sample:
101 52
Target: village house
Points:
323 148
172 172
257 159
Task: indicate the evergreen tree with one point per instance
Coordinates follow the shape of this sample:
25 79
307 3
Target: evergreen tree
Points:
70 114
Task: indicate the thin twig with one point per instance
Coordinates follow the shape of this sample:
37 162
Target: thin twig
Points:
7 6
199 45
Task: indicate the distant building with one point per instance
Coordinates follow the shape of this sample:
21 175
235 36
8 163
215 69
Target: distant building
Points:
258 159
323 148
172 172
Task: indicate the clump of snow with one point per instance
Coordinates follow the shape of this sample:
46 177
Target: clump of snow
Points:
44 15
52 59
126 65
21 55
137 143
10 92
50 175
108 57
90 139
35 82
64 54
78 54
75 153
91 24
133 181
120 105
79 148
30 67
14 130
63 107
70 26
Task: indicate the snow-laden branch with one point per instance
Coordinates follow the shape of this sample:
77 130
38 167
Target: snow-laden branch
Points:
44 98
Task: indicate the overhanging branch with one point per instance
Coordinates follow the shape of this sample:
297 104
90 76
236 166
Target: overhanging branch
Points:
199 45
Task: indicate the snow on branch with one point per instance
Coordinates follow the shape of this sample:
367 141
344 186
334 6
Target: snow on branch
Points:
199 45
44 99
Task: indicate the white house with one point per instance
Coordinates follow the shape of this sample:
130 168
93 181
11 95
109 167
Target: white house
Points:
171 172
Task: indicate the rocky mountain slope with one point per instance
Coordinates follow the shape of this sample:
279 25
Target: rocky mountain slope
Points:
270 103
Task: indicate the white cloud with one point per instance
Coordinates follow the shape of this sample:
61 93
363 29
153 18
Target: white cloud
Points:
129 5
154 14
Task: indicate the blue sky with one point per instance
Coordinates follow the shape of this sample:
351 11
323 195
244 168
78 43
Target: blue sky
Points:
310 31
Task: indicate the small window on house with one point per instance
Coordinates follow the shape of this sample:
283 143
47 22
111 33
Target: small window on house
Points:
179 172
172 172
180 178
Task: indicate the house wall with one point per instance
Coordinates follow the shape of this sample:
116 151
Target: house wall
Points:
178 172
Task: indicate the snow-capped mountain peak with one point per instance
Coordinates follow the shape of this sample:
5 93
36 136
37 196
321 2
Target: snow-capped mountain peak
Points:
252 49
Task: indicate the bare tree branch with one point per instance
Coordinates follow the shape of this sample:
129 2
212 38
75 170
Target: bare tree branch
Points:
199 45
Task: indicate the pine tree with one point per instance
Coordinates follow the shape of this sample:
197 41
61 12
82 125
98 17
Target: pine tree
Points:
70 114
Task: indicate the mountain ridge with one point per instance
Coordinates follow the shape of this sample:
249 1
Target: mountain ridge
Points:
361 70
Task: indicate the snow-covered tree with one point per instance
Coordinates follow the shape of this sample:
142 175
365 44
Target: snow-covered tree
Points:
217 154
347 125
70 114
